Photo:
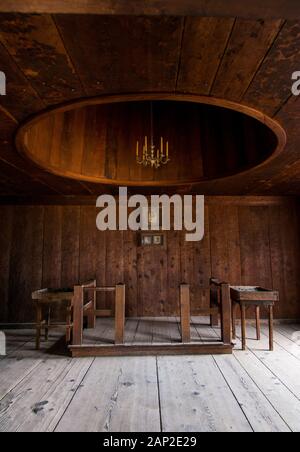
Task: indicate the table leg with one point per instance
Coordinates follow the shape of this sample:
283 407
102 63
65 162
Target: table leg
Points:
234 308
258 329
271 328
38 326
68 322
226 313
243 311
48 323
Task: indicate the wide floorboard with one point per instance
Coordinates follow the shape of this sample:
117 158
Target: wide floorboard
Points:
251 391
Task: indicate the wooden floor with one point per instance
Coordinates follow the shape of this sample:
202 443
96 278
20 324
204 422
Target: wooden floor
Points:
249 391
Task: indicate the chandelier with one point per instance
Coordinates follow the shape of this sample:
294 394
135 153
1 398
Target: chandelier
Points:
151 155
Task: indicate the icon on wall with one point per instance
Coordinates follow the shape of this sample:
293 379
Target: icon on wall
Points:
152 239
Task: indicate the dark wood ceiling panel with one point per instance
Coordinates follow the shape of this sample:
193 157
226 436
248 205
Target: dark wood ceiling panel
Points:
272 84
248 45
254 9
35 44
8 125
20 182
123 54
203 46
46 57
284 175
56 185
21 99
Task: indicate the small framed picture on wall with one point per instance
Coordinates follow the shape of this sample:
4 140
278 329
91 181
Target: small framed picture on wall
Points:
155 239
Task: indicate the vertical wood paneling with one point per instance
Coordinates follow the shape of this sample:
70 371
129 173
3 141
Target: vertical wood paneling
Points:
70 246
25 261
6 219
196 264
130 273
284 240
52 246
114 268
56 246
174 272
100 246
225 246
88 250
255 246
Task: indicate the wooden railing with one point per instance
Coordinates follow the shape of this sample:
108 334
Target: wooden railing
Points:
89 309
220 305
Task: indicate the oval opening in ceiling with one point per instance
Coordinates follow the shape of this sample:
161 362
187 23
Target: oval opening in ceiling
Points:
95 140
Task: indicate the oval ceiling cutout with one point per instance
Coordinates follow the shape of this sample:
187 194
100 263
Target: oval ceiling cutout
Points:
95 140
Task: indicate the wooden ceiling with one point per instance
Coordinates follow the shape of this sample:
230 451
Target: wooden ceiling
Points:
266 9
50 59
95 140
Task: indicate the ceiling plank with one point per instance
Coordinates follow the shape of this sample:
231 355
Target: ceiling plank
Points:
21 100
123 54
21 182
36 46
271 86
288 9
203 47
248 45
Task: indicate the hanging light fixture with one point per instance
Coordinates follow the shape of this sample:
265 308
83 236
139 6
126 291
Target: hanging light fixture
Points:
152 156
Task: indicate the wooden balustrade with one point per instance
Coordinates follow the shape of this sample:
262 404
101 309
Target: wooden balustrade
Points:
80 309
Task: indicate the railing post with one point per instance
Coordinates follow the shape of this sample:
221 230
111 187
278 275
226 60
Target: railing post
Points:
92 312
120 314
185 313
77 315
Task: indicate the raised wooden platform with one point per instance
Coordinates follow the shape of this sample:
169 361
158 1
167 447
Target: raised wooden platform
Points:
149 337
150 350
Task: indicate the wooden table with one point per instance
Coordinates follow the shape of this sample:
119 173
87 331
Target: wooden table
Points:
45 298
247 296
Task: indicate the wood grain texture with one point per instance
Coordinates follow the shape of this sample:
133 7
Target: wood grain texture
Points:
57 246
270 89
108 66
256 9
126 387
35 44
247 48
203 46
21 99
95 140
257 390
45 61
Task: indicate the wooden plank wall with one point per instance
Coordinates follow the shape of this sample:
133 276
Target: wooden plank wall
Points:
245 243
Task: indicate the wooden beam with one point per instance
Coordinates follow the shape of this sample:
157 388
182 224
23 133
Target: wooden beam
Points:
77 316
289 9
51 200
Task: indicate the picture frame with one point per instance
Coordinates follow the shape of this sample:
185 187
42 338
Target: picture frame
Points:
154 239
